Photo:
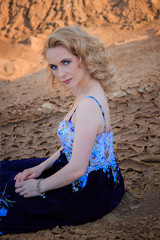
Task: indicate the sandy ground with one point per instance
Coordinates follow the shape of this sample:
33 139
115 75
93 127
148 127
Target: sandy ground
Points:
29 117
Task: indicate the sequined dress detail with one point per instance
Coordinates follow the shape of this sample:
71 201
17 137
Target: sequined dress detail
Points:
88 198
102 156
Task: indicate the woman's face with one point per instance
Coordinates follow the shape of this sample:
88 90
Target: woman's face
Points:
65 66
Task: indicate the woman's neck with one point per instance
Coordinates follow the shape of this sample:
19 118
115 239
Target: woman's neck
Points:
83 88
85 91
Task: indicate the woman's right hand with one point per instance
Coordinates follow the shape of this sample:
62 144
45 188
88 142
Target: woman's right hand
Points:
29 173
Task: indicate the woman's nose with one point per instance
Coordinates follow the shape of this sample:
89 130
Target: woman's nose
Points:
61 72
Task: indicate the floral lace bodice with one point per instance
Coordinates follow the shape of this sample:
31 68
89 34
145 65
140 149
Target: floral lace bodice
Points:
102 156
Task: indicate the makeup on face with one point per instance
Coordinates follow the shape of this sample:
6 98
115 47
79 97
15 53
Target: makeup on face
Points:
64 62
67 81
65 66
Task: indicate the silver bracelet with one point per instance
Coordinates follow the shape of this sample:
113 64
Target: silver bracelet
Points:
38 190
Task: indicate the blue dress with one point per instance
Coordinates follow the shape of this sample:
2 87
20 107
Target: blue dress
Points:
88 198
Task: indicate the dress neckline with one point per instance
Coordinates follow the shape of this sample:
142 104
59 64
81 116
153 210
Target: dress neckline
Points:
73 127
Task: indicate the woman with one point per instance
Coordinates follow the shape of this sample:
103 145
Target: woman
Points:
81 182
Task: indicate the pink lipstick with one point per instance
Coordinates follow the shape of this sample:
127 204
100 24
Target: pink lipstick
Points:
67 81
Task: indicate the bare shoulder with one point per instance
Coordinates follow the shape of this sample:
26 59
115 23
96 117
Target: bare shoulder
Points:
90 111
88 115
92 103
88 106
87 121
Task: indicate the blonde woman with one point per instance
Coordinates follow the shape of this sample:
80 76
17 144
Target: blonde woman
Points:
81 182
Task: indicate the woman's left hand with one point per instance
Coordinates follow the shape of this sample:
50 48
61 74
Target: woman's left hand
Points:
27 188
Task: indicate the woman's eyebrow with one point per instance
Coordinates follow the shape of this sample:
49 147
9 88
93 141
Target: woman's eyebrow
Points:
65 59
51 65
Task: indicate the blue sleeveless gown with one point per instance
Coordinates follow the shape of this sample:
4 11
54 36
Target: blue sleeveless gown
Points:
92 196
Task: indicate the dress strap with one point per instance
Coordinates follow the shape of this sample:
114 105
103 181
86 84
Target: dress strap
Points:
101 111
72 114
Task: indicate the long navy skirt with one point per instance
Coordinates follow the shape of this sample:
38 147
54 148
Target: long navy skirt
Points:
61 206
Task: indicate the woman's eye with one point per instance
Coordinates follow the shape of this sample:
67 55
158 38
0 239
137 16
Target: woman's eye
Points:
66 62
53 67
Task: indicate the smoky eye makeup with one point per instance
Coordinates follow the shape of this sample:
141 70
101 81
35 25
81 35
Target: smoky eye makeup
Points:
52 66
66 62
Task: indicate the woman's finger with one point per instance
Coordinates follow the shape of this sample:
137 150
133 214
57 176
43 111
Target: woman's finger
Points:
18 190
27 195
17 176
19 185
22 193
31 176
21 176
25 175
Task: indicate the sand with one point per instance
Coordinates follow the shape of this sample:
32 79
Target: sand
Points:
29 113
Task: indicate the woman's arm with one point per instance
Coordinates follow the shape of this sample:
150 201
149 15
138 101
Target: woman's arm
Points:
36 171
49 162
88 121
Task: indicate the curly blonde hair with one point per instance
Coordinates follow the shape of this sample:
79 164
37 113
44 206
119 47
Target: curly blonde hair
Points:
88 48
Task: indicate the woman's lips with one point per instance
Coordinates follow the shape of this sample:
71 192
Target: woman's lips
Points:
67 81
